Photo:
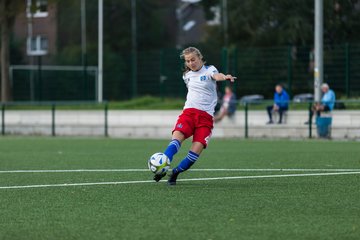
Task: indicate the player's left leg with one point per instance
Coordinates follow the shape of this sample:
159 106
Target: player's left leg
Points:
187 162
191 157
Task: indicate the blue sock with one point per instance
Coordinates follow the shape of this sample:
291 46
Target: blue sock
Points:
172 148
186 163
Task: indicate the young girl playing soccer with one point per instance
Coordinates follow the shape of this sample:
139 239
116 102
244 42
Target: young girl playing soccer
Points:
197 117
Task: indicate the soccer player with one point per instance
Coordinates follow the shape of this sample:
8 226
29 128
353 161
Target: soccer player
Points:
197 117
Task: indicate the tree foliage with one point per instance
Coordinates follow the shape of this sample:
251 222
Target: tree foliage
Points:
283 22
152 21
154 31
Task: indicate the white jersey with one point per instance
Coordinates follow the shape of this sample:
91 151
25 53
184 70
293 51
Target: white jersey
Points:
201 89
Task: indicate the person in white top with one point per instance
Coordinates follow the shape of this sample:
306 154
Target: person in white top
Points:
228 106
197 117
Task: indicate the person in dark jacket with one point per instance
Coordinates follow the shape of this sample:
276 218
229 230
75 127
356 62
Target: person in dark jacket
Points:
281 104
228 106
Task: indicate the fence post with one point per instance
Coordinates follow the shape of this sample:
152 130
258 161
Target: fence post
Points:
3 119
235 61
162 77
347 70
224 65
39 79
224 60
310 120
290 73
106 120
53 120
134 74
246 120
85 78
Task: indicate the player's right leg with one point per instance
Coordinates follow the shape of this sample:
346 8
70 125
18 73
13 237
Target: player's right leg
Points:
173 147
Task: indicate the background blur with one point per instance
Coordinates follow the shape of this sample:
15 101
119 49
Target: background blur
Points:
53 53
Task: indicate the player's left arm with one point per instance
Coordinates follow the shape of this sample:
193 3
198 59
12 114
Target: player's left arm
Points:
223 77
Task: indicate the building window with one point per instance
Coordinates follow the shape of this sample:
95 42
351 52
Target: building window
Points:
37 45
42 5
37 8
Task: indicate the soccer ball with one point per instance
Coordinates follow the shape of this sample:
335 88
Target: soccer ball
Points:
159 163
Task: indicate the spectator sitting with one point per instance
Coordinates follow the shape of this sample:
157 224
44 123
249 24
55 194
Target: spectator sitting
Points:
228 106
327 102
281 104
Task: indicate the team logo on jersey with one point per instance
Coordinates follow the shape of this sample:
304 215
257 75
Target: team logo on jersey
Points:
179 125
203 78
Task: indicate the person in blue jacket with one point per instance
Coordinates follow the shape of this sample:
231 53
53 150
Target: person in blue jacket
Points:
281 104
327 102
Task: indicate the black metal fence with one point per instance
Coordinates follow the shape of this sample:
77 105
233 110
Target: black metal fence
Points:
159 73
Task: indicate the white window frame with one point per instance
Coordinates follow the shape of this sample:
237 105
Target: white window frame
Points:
38 13
39 51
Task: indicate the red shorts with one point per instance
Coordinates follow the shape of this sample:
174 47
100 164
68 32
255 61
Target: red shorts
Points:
196 123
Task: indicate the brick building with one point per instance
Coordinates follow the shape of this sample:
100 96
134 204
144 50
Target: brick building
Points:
37 30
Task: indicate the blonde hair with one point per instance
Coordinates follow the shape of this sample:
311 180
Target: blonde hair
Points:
190 50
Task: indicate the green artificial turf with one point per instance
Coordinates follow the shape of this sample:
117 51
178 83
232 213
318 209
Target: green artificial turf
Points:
303 207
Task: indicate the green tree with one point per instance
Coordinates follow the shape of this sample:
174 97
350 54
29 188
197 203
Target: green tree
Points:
153 33
283 22
152 18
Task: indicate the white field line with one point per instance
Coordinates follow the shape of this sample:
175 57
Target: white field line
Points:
191 170
180 180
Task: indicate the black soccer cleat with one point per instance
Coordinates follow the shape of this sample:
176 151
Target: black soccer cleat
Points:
172 179
158 177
